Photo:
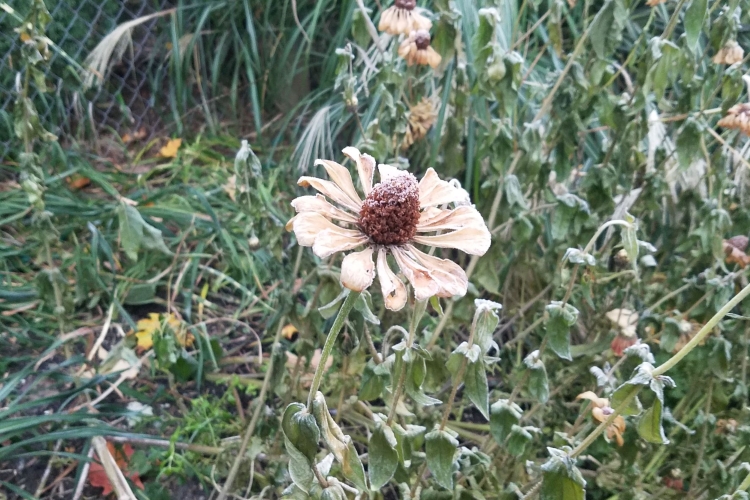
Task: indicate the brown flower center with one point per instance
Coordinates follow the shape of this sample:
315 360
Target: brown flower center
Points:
405 4
390 213
422 39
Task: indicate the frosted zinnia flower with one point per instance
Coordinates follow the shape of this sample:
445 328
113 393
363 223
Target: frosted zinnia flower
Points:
729 54
416 49
396 214
738 117
403 17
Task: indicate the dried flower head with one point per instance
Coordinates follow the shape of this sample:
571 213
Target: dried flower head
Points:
729 54
738 117
734 248
625 320
416 49
394 216
601 410
403 17
654 3
421 118
726 426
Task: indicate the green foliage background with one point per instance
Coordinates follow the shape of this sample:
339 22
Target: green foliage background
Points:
557 117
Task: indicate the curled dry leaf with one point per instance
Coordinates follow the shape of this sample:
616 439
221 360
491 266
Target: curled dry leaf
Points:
98 477
601 410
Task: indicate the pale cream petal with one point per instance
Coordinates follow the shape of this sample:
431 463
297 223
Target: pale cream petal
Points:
386 19
435 219
307 226
319 204
433 191
472 240
336 239
432 57
330 190
340 175
394 290
388 171
450 276
358 270
365 167
419 21
419 276
595 400
405 48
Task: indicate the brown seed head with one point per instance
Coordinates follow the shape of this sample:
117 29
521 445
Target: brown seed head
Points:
405 4
739 242
422 39
390 213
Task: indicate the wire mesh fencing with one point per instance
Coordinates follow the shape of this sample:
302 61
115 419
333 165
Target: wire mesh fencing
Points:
121 99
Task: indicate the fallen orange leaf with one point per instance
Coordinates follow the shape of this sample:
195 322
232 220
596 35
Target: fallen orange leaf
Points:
170 150
78 182
25 37
98 478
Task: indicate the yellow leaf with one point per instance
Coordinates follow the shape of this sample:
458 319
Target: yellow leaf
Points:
170 150
289 331
25 37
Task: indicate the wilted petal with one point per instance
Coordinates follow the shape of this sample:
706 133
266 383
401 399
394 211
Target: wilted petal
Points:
319 205
365 167
435 219
330 190
419 276
358 270
336 239
450 276
343 179
433 191
307 226
394 291
598 414
472 240
595 400
388 171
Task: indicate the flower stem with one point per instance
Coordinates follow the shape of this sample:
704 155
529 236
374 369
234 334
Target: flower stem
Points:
346 307
419 309
703 332
603 426
459 376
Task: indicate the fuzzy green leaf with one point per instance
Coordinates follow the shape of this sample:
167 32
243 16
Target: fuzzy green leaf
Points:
503 416
558 322
694 16
650 428
382 456
441 448
475 386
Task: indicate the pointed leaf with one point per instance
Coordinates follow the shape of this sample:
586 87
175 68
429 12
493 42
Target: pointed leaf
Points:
694 16
650 428
475 386
503 416
382 456
441 449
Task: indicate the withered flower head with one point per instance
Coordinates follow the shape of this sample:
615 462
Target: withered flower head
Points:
654 3
403 17
738 117
734 248
394 216
421 118
729 54
601 410
626 321
416 49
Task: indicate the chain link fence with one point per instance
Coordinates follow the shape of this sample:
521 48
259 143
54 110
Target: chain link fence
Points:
122 103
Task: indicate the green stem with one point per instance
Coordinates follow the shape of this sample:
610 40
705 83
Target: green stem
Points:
330 342
703 332
603 426
419 310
